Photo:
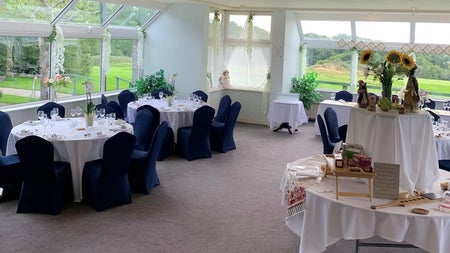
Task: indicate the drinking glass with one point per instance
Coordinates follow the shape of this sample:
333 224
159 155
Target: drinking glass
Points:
73 112
102 112
332 96
54 113
161 94
97 113
78 111
72 124
40 115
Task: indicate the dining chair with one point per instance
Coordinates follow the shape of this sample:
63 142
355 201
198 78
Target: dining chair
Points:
336 133
224 107
434 115
193 142
168 145
202 95
344 95
125 97
10 170
116 109
142 174
48 107
328 146
104 99
47 184
105 181
221 136
430 104
142 129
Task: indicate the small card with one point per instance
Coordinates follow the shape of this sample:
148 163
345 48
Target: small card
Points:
386 184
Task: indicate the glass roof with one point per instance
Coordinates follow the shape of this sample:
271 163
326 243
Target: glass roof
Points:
82 12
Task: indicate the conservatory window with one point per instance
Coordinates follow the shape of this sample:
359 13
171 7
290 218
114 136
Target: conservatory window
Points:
383 31
326 29
432 33
33 11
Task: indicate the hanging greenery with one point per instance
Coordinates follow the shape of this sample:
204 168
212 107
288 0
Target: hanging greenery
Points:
140 51
106 50
216 31
59 46
266 93
249 34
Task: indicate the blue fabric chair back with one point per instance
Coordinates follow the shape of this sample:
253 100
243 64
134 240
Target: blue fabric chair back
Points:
221 136
48 107
328 147
193 142
125 97
431 104
166 92
142 129
5 130
332 124
202 95
142 174
222 111
344 95
46 184
156 117
104 100
117 109
105 181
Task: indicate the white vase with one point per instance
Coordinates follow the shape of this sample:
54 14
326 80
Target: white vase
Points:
89 120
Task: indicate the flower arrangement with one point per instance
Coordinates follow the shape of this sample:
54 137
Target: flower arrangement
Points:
90 106
394 64
58 81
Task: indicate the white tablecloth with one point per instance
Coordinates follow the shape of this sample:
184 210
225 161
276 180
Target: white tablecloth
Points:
327 220
341 108
285 110
75 147
404 139
180 114
443 147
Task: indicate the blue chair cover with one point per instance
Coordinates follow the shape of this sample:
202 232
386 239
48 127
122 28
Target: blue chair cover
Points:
47 184
117 109
344 95
224 107
156 118
104 100
10 174
221 136
336 133
434 115
125 97
328 146
201 94
141 128
166 92
193 142
48 107
444 164
430 104
105 181
142 173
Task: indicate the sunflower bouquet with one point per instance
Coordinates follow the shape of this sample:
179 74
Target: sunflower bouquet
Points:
394 64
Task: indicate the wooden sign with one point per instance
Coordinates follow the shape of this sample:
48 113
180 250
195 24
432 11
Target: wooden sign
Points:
386 184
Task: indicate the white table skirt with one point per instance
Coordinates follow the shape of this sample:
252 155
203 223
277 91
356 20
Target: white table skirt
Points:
443 147
341 108
327 220
405 139
75 147
285 110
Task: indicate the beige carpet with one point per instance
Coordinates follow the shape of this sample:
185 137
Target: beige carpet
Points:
228 203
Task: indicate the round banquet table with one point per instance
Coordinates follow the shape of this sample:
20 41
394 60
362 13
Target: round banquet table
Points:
180 114
76 146
286 110
326 220
404 139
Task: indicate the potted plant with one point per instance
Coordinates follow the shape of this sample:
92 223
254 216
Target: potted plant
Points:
149 83
306 89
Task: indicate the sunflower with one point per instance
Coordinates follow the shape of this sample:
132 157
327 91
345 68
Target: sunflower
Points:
365 56
408 61
394 57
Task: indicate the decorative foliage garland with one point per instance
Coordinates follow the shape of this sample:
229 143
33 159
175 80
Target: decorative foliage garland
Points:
216 31
249 33
266 93
59 45
106 50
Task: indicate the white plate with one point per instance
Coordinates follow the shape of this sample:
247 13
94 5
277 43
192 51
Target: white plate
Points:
32 122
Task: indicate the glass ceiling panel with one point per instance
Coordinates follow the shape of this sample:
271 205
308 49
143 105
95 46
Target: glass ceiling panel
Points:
383 31
432 33
31 10
326 29
87 12
132 16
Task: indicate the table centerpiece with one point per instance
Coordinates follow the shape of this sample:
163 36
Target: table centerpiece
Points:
90 106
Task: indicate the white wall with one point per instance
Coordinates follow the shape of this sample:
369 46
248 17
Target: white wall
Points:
177 42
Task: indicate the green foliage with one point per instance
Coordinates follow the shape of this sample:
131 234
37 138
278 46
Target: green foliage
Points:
149 83
306 89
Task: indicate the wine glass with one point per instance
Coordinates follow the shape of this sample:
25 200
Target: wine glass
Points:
40 115
161 94
78 111
102 112
54 113
73 112
72 125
